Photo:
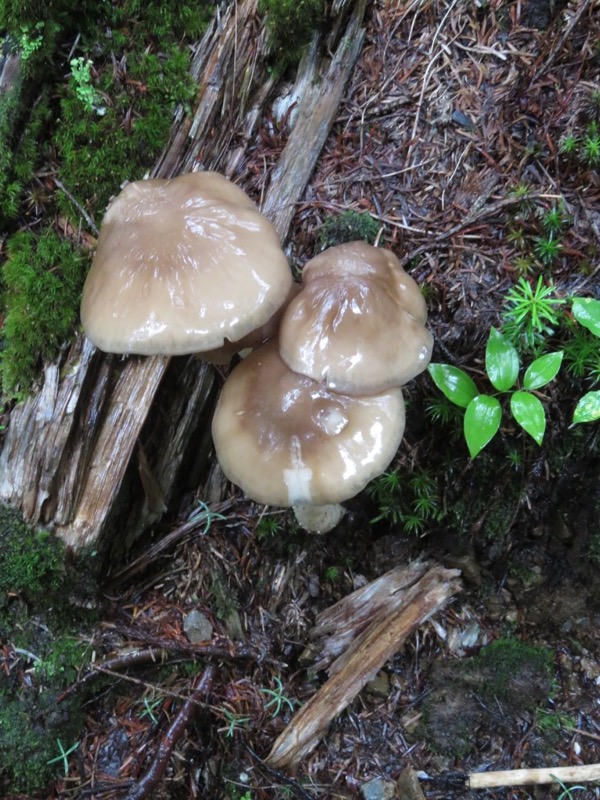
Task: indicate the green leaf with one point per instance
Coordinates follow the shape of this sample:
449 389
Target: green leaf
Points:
455 384
586 311
482 420
588 408
501 361
529 413
542 370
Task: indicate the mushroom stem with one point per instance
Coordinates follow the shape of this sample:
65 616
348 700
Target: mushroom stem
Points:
319 519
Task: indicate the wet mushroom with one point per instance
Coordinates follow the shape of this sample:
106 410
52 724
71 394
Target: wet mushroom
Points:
358 324
287 440
183 265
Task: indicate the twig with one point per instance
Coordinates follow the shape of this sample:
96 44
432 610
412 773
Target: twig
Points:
91 224
151 779
522 777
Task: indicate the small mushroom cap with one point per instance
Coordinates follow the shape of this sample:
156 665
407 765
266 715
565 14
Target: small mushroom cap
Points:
358 323
181 266
287 440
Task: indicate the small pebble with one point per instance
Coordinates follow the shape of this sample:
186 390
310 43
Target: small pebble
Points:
197 627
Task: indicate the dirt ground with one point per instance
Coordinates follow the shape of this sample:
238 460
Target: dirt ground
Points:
453 108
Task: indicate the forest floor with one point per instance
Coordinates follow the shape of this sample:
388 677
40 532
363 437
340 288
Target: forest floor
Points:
471 133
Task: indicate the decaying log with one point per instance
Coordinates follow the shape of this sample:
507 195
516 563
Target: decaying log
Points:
102 445
389 628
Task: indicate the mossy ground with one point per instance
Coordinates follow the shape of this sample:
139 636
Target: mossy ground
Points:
485 694
39 592
68 139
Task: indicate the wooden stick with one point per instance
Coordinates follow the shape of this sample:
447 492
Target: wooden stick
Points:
521 777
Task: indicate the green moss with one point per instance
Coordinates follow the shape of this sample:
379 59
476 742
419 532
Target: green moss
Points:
31 562
37 585
349 226
42 277
507 662
290 24
100 148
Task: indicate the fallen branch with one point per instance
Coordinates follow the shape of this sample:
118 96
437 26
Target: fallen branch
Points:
522 777
151 779
365 656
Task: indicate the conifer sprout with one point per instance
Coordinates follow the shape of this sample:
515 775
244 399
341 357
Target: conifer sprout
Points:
358 325
287 440
184 265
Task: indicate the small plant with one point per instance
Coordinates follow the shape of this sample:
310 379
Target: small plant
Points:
410 500
277 699
590 145
267 527
235 722
554 220
64 756
149 708
548 248
586 311
567 791
81 72
30 40
483 412
202 515
569 145
531 312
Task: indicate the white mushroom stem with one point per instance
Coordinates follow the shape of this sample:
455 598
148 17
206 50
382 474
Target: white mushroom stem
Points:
319 519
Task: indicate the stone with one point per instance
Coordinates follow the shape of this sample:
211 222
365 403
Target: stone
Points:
197 627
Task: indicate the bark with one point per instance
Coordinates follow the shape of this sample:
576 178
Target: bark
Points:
398 617
103 444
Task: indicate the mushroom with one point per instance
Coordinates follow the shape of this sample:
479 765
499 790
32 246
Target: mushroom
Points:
287 440
183 265
358 324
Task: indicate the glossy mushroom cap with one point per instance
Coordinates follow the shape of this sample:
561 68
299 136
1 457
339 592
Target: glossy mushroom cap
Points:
358 324
182 266
286 440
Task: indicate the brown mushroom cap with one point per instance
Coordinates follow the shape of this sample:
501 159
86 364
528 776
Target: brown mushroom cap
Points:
181 266
358 323
286 440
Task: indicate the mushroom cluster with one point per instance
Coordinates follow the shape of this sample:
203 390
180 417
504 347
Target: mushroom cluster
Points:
189 265
332 417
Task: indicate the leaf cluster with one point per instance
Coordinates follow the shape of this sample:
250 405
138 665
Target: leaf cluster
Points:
483 412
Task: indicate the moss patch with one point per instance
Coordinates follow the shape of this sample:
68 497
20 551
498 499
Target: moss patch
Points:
485 695
38 620
99 121
349 226
42 278
290 24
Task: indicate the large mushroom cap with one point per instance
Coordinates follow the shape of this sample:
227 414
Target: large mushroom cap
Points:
358 323
181 266
286 440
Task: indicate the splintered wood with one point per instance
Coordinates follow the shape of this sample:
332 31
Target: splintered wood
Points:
369 625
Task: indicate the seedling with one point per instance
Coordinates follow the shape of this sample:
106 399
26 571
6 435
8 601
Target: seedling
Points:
483 412
203 515
64 755
530 312
278 698
548 248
